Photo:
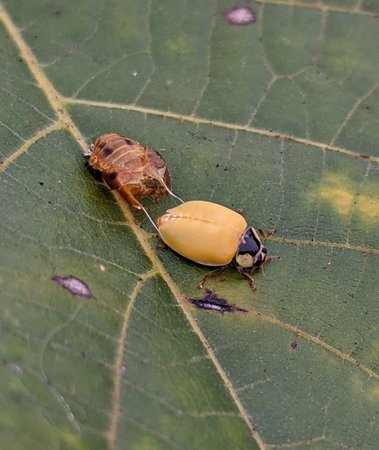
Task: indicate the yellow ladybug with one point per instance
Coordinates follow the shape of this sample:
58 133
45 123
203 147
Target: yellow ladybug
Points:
213 235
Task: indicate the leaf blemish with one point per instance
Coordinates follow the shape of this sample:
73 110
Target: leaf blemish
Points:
212 302
73 285
240 15
294 345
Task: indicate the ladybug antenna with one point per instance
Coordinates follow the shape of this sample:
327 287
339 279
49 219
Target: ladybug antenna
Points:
151 220
168 189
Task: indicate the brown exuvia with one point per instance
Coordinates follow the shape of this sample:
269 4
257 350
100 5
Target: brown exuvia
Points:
130 168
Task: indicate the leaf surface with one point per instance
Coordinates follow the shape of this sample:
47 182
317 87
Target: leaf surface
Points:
279 117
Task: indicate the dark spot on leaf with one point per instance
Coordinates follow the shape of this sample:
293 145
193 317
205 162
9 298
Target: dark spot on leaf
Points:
19 59
240 15
73 285
214 303
41 183
293 345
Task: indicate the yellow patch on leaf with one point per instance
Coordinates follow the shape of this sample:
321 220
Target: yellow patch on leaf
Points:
343 198
369 206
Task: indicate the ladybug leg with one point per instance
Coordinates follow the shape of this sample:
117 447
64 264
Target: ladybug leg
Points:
210 274
265 234
248 276
267 261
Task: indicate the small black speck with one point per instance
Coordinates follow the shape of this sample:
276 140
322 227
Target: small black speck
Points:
293 345
35 36
217 165
367 107
83 354
19 59
41 183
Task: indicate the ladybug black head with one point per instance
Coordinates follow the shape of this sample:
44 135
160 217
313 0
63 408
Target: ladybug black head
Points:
251 252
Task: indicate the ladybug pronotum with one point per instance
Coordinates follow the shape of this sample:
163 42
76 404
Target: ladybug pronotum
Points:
130 168
213 235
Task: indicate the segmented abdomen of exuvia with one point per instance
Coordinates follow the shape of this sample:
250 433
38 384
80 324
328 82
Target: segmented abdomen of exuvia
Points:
129 167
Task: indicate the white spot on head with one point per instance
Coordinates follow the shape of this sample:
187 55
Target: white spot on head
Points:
245 260
240 15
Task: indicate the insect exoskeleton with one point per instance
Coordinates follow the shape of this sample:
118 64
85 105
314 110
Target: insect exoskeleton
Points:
130 168
213 235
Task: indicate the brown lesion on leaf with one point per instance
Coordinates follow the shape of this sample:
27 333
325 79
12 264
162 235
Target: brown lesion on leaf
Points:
73 285
212 302
294 345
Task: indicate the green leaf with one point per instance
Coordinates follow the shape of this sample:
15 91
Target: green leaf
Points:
279 117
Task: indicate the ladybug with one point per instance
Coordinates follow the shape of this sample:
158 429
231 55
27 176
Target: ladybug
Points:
130 168
213 235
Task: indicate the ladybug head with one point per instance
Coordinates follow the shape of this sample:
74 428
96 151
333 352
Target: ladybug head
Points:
250 252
